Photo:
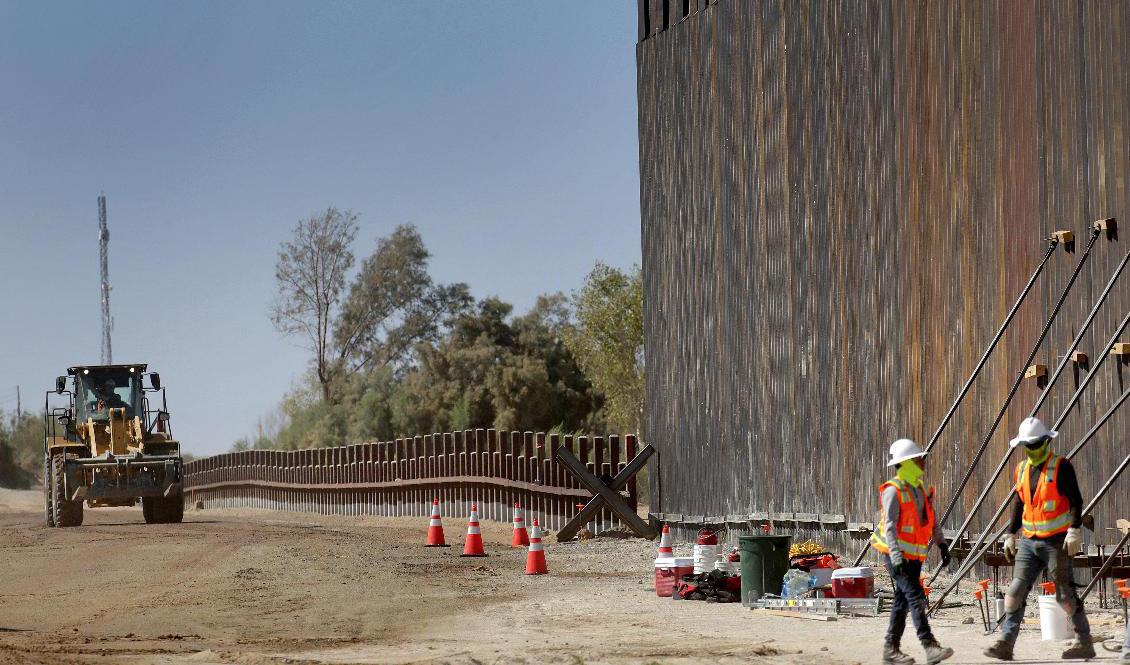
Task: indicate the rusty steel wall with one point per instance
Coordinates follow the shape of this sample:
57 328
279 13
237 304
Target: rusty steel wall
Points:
490 468
840 202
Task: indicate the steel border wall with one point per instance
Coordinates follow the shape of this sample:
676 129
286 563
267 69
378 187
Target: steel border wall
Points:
400 478
839 203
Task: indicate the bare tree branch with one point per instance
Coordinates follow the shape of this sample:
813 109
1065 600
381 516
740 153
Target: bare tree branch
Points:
310 273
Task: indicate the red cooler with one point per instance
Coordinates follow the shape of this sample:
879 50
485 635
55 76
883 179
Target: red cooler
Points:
853 583
668 570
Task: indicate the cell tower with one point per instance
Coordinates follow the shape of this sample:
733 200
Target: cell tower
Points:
104 259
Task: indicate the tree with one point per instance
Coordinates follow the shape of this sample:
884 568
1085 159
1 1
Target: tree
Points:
561 395
494 371
393 305
607 341
311 272
21 449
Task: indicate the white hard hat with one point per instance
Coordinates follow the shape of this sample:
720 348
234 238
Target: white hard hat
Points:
905 449
1032 429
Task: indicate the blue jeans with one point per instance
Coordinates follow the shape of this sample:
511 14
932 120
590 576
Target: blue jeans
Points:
1032 558
909 598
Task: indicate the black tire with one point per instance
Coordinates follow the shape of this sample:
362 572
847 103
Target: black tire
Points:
65 512
148 509
159 510
174 509
48 507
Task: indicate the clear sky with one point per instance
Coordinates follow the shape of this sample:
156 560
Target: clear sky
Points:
506 131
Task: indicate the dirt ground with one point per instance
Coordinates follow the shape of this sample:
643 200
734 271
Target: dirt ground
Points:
256 587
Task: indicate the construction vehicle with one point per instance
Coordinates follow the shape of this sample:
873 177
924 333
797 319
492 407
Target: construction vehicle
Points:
109 446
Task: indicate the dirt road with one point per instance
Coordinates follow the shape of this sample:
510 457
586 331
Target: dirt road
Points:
257 587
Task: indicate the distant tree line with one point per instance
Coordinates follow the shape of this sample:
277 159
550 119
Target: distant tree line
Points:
21 450
393 353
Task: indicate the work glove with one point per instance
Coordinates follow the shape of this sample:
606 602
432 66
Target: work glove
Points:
1010 546
898 568
944 548
1073 543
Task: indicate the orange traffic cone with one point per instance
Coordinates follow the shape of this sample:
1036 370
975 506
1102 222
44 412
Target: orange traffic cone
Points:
520 538
665 548
535 560
435 528
473 545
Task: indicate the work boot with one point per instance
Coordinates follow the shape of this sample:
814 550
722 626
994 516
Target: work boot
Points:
1082 647
1001 650
935 653
893 656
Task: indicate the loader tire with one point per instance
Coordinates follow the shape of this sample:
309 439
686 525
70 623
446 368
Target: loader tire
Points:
159 510
174 509
48 507
147 509
64 512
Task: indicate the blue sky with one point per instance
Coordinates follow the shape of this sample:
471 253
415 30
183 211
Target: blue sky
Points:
506 131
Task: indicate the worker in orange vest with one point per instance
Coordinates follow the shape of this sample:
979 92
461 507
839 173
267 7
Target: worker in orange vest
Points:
907 526
1048 509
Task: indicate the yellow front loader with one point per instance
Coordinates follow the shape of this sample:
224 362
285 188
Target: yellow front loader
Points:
107 447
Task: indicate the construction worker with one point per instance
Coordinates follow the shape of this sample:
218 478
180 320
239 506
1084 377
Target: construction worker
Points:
907 526
1048 509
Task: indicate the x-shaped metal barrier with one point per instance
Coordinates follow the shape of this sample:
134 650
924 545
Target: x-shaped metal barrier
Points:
605 495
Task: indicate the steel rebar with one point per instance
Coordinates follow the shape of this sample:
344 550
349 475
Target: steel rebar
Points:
1020 375
1059 421
1053 242
1106 566
977 550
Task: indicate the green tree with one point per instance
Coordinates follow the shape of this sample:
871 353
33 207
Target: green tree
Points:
494 371
21 450
607 340
393 305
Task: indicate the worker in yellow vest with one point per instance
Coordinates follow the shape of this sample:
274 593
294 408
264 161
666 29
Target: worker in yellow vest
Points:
907 526
1048 509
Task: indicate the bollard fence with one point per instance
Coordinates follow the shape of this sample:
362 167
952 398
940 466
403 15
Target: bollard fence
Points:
400 478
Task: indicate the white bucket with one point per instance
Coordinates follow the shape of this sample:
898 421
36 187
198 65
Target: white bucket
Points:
705 556
1053 620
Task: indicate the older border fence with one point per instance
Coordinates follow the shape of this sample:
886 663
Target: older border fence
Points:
401 477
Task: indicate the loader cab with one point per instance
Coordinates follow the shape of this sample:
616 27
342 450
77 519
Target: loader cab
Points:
99 389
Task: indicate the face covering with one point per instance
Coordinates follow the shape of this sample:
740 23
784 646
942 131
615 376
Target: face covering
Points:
1038 455
910 472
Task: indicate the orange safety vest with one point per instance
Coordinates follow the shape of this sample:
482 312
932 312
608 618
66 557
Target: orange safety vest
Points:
1047 512
913 534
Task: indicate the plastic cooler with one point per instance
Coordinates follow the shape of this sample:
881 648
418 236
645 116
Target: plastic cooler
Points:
853 583
668 570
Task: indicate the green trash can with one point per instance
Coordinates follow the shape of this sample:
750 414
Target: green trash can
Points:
765 560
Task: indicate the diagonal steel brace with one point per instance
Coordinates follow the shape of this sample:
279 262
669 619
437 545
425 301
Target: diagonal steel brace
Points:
605 494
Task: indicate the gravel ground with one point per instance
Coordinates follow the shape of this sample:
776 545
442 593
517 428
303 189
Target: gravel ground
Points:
257 587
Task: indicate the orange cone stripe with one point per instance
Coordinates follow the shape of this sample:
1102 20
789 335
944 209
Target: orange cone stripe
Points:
665 542
473 544
520 538
535 560
435 527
